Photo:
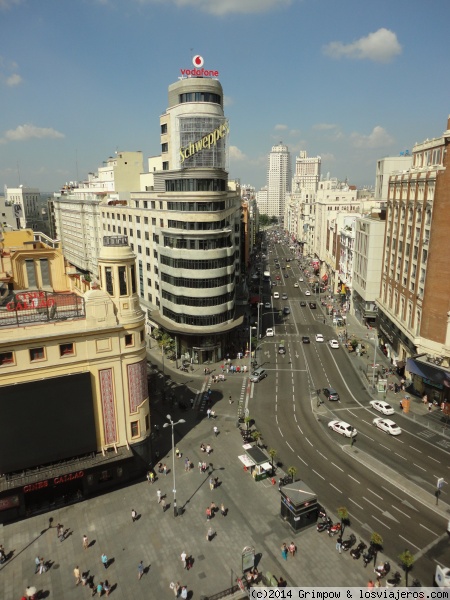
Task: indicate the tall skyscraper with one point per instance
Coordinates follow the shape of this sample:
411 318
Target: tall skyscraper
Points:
279 176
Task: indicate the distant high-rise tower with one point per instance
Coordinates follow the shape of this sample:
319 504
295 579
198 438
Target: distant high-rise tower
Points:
279 176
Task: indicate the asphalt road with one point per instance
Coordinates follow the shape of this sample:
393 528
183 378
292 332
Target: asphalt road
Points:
380 496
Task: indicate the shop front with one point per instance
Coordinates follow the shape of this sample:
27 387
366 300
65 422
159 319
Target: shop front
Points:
429 380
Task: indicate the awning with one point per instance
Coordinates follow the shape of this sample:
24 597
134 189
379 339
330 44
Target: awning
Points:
438 376
245 460
266 466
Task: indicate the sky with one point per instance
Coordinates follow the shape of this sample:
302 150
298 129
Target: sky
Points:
351 81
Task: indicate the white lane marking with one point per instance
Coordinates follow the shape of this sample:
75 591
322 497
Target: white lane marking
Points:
308 441
300 429
435 460
372 492
400 456
281 433
430 530
366 422
290 447
335 488
401 511
382 523
353 479
322 455
295 417
419 467
419 451
337 467
385 447
299 457
396 438
374 505
356 504
318 474
408 542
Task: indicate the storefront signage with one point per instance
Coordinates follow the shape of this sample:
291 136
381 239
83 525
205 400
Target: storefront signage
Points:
208 140
33 487
198 70
389 337
433 383
30 300
9 502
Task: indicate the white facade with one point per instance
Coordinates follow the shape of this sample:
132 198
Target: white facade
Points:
307 172
262 201
26 207
385 166
279 176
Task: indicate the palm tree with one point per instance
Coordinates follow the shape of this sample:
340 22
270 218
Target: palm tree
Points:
272 454
256 435
343 516
407 562
247 421
292 472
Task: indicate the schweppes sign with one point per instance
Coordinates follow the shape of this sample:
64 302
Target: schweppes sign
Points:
208 140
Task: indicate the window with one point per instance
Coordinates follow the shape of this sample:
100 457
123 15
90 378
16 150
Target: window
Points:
141 335
134 429
37 354
165 147
165 165
153 220
147 422
6 358
123 290
109 280
66 349
129 339
164 128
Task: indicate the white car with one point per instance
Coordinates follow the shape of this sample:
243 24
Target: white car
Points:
334 344
343 428
267 305
382 407
319 337
276 295
295 284
387 425
307 293
269 332
300 279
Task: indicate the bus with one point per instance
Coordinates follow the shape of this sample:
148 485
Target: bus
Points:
266 275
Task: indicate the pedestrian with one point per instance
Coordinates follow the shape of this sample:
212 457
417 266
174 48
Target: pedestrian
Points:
204 466
105 560
184 593
213 507
210 534
211 483
60 530
37 562
292 549
186 464
282 582
100 588
200 468
223 510
284 551
165 469
370 584
106 588
430 406
208 449
158 495
92 588
183 559
208 514
216 482
216 430
133 515
208 412
231 401
84 578
177 453
140 570
76 574
85 542
152 477
163 504
42 566
339 545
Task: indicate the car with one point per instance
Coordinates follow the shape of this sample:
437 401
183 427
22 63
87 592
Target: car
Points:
343 428
300 279
387 425
274 283
288 266
276 295
284 296
278 278
258 375
334 344
382 407
319 337
284 268
267 305
305 339
330 394
282 348
286 276
307 293
296 284
269 332
286 310
302 303
312 305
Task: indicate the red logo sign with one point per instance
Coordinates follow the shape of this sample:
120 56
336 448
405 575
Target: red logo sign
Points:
198 70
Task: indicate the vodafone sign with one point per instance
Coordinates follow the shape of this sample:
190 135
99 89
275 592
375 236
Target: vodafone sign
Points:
198 70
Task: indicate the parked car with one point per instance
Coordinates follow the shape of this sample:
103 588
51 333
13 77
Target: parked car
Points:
267 305
382 407
343 428
387 425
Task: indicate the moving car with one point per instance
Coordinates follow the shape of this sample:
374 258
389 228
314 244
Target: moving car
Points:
387 425
319 337
331 394
286 276
300 279
276 295
307 293
302 303
267 305
281 348
382 407
278 278
286 310
305 339
295 284
284 296
343 428
334 344
257 375
269 332
312 305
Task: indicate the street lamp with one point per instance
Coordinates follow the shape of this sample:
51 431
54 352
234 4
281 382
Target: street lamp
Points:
250 348
374 360
172 424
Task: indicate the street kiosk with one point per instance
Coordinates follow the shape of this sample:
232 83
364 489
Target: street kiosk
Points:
299 506
255 461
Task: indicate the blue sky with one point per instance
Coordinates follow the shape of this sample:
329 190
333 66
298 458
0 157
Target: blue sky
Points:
349 80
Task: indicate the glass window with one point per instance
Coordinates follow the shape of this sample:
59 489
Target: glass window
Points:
6 358
123 289
133 279
129 339
109 280
66 349
134 429
37 354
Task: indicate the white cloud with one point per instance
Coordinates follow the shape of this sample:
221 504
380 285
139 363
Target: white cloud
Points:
280 127
324 126
13 80
379 46
236 154
227 7
27 132
328 157
7 4
378 138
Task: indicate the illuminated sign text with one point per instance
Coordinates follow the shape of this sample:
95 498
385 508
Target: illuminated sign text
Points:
208 140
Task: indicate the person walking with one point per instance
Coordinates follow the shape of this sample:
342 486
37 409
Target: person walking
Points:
84 579
230 400
208 449
105 560
133 515
100 588
163 504
165 469
208 412
208 514
159 496
42 566
211 483
151 477
183 559
106 588
184 593
60 532
140 569
284 551
200 466
177 453
85 542
77 575
223 510
37 562
339 545
210 534
216 430
292 549
187 464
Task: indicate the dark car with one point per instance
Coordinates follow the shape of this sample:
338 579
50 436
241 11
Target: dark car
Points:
302 303
331 394
312 305
286 275
305 339
286 310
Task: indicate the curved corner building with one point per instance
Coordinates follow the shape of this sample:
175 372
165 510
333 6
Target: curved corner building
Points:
197 229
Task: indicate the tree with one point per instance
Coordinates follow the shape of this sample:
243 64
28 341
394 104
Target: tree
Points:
407 562
272 454
377 542
256 435
247 421
166 343
292 471
343 516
